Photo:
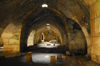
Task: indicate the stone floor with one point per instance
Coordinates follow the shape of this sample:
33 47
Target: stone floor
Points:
69 61
72 60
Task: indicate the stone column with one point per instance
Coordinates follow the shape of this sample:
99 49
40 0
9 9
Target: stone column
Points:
95 30
11 38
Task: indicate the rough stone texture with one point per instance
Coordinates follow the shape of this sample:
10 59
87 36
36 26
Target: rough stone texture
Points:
88 2
60 35
78 41
30 41
95 10
88 41
11 38
31 14
95 30
50 35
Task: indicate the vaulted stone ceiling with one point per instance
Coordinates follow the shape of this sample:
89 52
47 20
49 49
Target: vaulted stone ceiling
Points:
62 14
20 10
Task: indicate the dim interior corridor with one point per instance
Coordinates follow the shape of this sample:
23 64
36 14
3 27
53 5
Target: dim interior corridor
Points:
50 32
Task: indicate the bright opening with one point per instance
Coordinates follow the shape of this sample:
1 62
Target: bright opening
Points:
44 5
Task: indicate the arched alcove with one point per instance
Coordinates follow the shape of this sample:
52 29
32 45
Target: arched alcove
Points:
52 28
78 39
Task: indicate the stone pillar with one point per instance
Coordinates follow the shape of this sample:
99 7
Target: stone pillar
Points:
95 30
89 2
11 38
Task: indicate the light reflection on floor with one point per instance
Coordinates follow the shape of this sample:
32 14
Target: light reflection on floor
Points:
41 57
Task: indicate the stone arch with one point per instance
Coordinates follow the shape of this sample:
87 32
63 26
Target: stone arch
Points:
84 29
35 22
63 17
78 40
87 36
53 29
30 41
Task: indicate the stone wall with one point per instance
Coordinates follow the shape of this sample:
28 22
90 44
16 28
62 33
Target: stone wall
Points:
95 30
50 35
11 38
78 41
30 41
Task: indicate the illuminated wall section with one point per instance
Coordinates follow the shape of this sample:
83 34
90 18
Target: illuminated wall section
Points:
30 41
95 30
11 38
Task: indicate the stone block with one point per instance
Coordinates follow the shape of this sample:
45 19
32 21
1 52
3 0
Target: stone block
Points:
95 24
11 48
29 57
13 41
59 57
6 41
94 58
52 59
95 45
7 35
95 10
98 58
93 27
88 2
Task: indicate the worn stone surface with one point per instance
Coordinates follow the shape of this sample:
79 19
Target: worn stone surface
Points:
11 38
88 2
30 41
95 10
95 30
59 13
